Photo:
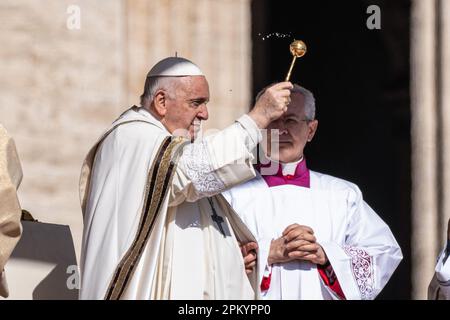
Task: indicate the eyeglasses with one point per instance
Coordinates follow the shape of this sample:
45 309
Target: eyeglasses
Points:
296 120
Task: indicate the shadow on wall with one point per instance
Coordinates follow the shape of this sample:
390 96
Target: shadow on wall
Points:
43 265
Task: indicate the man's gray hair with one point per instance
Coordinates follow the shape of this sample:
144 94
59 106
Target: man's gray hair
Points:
153 84
310 102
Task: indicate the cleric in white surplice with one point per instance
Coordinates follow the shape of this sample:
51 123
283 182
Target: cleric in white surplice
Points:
317 237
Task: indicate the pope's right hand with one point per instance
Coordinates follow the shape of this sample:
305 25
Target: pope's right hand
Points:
272 104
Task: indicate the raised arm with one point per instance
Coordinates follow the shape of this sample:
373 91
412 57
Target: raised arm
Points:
222 160
370 254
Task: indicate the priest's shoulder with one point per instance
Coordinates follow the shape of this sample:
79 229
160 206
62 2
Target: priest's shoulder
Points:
136 132
325 181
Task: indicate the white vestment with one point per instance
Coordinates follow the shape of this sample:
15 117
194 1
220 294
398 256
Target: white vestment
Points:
186 255
439 288
359 245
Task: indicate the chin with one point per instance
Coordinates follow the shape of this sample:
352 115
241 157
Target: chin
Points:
285 145
288 156
285 148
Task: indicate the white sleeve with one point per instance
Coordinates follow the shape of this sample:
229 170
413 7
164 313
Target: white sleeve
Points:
369 255
10 211
216 163
443 267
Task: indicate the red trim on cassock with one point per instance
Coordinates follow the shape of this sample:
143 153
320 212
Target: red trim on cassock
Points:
326 273
265 283
329 277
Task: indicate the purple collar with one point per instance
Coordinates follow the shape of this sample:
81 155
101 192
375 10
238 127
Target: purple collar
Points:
300 178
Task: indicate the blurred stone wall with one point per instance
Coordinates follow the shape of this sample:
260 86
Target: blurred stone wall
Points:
61 87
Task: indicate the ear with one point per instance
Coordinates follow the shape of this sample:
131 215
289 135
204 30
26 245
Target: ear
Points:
312 128
160 103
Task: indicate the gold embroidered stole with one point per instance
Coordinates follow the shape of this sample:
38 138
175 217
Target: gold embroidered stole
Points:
157 186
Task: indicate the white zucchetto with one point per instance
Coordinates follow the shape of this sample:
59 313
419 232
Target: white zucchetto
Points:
175 67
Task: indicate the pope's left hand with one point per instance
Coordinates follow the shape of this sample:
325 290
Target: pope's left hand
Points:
248 251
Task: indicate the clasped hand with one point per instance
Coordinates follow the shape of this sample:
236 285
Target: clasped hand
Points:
297 243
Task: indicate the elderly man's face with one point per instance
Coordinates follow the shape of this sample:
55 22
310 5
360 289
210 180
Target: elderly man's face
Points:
188 108
294 131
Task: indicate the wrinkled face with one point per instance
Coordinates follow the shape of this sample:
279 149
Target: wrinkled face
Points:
294 131
187 107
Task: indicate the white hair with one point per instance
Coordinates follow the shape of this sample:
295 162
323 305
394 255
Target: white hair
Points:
153 84
310 102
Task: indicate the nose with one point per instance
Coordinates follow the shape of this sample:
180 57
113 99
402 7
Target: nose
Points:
203 113
283 131
280 125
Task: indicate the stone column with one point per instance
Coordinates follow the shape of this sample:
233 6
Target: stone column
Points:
424 145
444 91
